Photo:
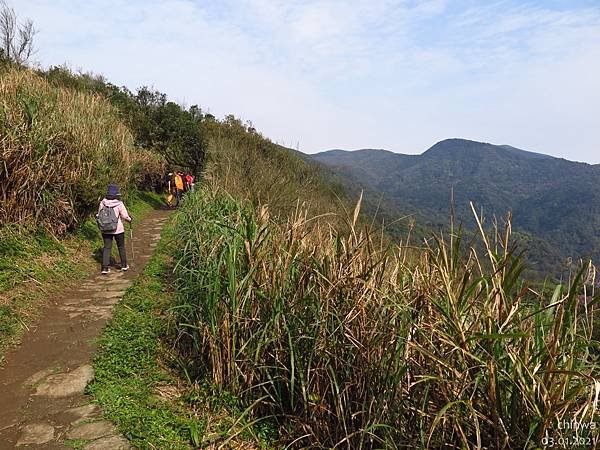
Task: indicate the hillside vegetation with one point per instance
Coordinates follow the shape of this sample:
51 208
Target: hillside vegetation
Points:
333 337
338 340
59 150
322 334
555 203
248 166
278 295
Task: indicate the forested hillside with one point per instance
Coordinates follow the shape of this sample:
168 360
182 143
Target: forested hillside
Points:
555 203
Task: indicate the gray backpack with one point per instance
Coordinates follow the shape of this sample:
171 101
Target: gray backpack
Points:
107 219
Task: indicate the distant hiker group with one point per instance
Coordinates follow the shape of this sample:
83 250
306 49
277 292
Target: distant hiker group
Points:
177 184
111 214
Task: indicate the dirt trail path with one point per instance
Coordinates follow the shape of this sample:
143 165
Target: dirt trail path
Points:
42 401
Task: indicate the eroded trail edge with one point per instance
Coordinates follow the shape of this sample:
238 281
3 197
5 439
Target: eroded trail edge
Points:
43 381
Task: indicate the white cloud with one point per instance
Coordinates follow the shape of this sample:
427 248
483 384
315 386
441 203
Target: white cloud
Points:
381 73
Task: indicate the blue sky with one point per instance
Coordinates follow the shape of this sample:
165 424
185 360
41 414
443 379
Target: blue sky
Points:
399 75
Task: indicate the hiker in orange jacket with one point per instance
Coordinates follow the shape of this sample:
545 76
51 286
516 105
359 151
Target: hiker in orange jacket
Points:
179 185
175 187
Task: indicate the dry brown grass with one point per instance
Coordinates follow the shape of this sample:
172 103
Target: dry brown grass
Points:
346 342
59 148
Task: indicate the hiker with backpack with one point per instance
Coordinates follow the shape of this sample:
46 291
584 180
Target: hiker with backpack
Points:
179 186
111 214
175 189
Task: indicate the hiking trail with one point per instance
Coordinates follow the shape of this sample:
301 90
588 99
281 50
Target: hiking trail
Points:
43 380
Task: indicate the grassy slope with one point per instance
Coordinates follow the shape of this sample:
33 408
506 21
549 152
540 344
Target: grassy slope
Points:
35 266
328 333
59 150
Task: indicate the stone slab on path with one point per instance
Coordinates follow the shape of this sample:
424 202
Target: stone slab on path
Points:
109 443
82 412
36 433
92 430
42 382
38 376
66 384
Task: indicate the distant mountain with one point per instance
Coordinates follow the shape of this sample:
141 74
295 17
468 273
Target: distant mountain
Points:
555 202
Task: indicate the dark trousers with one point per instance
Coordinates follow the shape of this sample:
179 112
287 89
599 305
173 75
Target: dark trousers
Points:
120 238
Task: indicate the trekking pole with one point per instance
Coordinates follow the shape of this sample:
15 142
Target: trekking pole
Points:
131 240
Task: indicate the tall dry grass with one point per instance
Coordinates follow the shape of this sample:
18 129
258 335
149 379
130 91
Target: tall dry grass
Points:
346 342
59 148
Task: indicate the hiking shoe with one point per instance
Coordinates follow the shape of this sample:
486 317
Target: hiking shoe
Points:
124 269
105 271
